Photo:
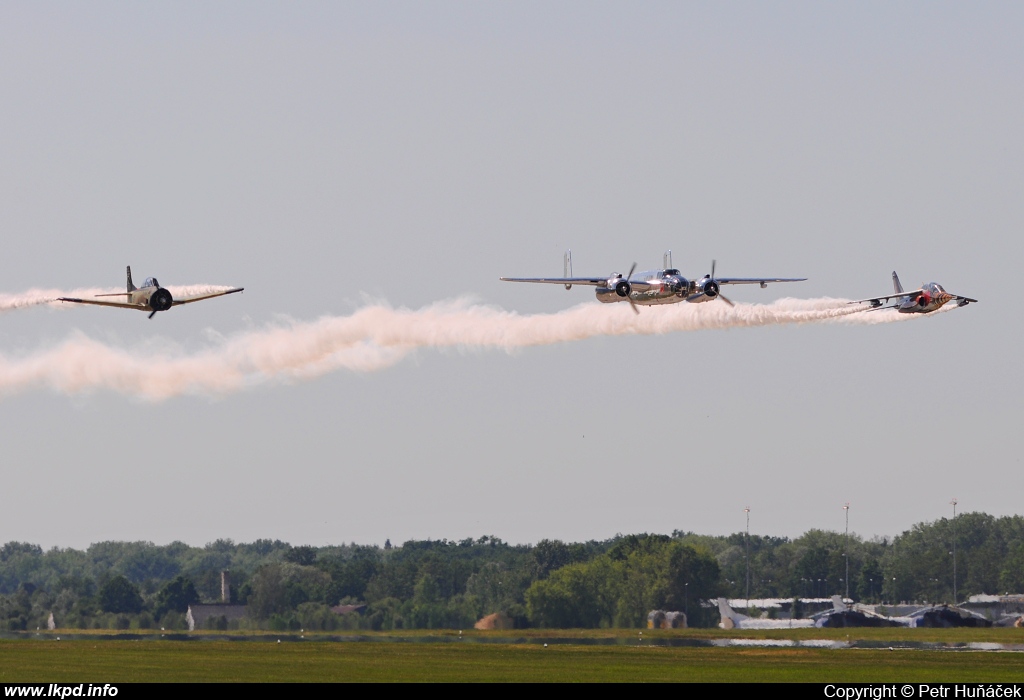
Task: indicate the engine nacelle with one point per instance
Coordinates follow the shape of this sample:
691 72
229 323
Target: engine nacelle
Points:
711 289
161 300
623 288
607 295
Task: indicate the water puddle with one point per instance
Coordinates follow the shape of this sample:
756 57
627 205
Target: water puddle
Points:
525 640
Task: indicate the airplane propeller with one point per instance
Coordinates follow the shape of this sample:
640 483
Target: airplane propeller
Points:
717 287
161 300
629 297
624 289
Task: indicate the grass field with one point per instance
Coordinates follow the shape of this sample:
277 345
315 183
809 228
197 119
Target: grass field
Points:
386 659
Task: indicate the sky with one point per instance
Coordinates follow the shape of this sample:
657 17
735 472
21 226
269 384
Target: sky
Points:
334 157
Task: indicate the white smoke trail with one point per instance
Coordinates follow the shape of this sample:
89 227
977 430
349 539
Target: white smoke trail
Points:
376 337
37 297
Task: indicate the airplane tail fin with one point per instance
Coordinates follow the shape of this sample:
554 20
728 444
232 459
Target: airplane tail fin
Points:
666 260
730 618
567 266
838 604
896 286
131 287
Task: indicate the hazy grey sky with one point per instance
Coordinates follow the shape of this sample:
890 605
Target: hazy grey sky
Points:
330 155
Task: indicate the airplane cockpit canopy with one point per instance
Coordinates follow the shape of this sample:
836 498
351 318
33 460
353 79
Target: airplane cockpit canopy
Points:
673 271
151 282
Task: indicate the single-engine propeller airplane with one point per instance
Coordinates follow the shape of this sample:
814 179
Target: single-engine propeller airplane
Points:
150 297
664 286
930 297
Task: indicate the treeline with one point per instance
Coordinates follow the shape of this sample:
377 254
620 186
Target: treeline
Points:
451 584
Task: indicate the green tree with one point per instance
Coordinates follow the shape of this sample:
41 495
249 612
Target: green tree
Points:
498 587
304 555
692 576
549 555
280 587
569 597
269 592
349 578
119 595
175 596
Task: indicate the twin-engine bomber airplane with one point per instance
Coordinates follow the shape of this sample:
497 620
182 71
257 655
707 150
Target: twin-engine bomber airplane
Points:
150 297
665 286
930 297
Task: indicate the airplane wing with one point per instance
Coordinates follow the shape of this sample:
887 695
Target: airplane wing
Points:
189 300
877 301
592 281
119 305
637 285
763 281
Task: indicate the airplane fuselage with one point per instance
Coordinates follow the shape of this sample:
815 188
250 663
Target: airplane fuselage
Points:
140 297
653 287
932 298
151 296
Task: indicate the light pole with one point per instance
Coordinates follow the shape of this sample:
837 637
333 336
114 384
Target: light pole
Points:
746 540
847 555
953 503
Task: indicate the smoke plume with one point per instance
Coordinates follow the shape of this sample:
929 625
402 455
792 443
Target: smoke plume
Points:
373 338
